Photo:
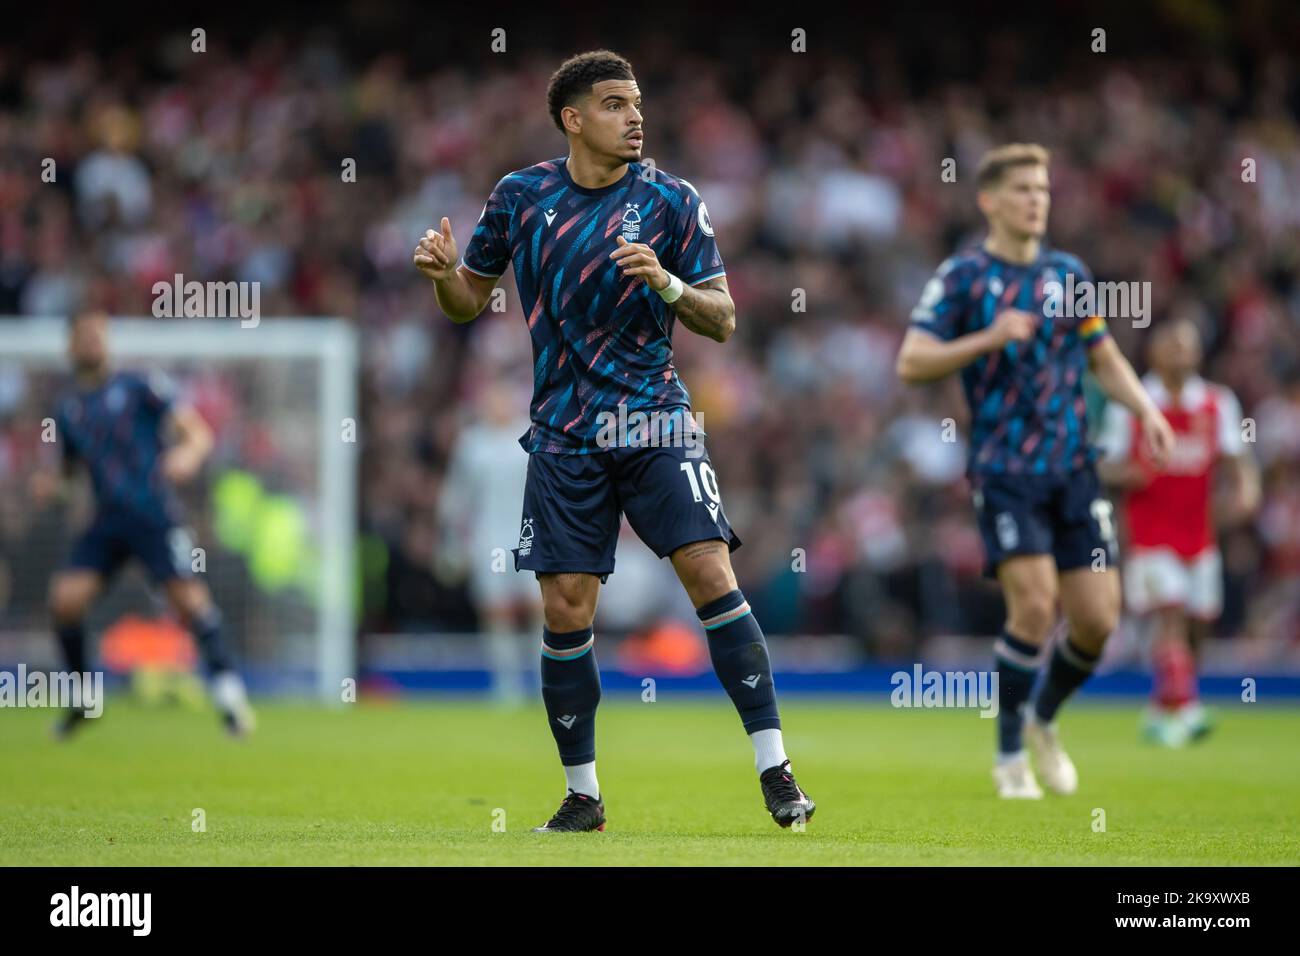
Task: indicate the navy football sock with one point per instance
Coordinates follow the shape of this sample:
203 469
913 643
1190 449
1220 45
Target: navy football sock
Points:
72 641
571 691
1067 669
206 629
740 660
1017 662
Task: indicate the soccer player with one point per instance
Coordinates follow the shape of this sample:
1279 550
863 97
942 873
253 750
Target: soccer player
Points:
995 313
1173 572
113 423
608 252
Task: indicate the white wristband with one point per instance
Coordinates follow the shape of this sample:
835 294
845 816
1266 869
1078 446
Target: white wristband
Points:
673 290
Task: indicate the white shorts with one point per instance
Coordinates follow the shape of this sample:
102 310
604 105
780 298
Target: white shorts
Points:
1156 578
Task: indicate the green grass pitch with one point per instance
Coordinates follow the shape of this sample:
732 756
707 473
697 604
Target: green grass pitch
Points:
423 783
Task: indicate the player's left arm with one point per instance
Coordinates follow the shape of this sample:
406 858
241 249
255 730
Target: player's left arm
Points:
191 446
1120 382
705 309
1244 493
1243 500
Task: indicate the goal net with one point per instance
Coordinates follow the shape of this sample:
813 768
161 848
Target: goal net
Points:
272 514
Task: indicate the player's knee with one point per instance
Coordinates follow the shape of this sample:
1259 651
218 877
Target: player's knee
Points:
711 583
1032 617
707 576
1094 625
568 606
67 601
564 616
189 599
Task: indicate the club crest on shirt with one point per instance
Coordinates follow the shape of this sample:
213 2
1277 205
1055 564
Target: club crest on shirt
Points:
632 222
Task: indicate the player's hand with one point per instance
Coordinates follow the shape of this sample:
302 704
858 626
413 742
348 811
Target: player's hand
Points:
180 464
1012 325
1159 437
436 254
638 259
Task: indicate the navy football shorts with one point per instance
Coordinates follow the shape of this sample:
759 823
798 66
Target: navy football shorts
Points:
573 503
113 539
1066 516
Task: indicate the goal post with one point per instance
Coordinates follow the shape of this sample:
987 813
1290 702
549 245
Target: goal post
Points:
285 395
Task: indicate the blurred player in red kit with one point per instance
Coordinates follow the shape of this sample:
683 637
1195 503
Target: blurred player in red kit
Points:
1173 572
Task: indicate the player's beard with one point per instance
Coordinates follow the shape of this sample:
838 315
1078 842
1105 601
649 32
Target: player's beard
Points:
630 152
90 368
626 153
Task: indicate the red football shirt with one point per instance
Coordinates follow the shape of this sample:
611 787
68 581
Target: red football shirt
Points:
1173 509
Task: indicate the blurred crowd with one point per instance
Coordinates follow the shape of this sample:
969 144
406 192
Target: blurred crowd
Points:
823 177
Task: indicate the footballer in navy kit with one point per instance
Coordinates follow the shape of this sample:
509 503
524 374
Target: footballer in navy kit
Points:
114 424
997 313
608 253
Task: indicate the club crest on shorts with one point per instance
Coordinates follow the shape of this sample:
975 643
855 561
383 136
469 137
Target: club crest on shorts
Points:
526 538
632 222
1008 533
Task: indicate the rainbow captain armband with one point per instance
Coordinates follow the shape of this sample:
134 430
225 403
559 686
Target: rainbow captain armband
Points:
1092 330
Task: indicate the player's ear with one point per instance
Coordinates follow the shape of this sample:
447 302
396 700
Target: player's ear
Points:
984 199
571 117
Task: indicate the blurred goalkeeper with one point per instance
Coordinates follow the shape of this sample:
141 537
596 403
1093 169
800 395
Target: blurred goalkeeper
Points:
479 512
113 423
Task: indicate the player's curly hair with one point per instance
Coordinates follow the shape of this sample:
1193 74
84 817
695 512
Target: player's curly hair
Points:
578 74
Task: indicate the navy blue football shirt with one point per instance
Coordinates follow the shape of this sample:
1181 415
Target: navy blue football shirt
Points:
116 430
600 339
1028 411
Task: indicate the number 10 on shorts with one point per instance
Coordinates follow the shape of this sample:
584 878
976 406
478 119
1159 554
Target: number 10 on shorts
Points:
709 480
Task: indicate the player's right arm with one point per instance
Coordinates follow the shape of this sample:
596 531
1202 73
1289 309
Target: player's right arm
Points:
462 293
49 482
925 357
936 345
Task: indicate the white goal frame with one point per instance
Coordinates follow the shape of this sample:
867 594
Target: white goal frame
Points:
332 344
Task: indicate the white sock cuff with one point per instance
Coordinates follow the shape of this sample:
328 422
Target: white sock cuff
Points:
581 778
769 749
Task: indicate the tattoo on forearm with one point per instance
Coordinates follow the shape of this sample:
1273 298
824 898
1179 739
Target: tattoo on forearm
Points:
706 309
